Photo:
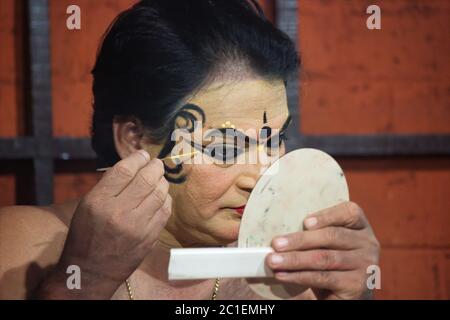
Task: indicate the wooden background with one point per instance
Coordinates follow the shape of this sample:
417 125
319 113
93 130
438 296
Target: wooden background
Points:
354 81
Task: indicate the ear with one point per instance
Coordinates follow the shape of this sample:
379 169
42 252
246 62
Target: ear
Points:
128 135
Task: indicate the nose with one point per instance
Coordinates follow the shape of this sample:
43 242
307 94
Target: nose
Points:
252 172
248 177
246 183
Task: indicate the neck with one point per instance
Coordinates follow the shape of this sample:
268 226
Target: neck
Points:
167 241
157 261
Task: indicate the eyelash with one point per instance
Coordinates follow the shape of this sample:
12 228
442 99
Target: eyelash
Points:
282 137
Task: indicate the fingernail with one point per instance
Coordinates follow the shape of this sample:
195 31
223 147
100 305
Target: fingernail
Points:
311 222
276 259
144 154
280 243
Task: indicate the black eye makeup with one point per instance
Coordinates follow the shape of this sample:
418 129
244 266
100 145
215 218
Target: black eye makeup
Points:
277 140
224 152
188 114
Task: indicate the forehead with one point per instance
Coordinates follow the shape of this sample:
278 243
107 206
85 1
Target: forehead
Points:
243 103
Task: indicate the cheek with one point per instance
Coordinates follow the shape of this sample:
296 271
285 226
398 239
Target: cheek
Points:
205 186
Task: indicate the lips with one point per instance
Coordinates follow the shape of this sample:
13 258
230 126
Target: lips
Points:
240 210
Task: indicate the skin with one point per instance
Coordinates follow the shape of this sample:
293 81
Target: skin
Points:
211 188
125 226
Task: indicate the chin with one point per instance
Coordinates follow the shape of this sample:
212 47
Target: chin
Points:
220 230
228 232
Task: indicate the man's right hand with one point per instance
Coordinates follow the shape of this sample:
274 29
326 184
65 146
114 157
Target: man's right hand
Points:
116 224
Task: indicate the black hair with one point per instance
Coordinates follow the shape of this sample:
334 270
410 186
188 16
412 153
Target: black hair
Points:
159 52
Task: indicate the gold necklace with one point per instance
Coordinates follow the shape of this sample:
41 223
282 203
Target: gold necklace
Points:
213 296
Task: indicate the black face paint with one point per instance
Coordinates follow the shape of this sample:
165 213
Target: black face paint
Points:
266 131
280 136
224 151
228 151
186 113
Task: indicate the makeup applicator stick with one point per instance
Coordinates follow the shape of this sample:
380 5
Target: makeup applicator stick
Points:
166 158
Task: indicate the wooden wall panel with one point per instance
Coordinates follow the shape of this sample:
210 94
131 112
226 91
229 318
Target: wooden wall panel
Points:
70 186
414 274
11 64
407 200
73 55
393 80
407 203
7 190
11 86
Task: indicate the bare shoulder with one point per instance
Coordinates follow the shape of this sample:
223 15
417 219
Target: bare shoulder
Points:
31 241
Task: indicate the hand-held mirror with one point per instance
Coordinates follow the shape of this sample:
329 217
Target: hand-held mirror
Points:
301 182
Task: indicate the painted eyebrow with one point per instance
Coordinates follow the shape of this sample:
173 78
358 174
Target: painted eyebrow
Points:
242 136
201 148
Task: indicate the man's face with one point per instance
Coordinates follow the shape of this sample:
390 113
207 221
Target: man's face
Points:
202 213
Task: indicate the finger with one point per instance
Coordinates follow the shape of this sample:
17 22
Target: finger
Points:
160 218
155 200
120 175
156 224
314 260
144 183
328 237
329 280
346 214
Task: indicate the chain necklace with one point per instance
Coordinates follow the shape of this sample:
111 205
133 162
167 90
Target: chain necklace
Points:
213 296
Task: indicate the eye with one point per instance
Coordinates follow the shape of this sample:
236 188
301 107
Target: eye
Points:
276 141
223 152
